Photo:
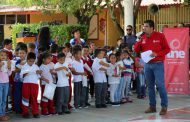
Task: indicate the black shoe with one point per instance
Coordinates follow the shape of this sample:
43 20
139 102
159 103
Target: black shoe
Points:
104 106
36 116
88 104
98 106
26 116
67 112
60 113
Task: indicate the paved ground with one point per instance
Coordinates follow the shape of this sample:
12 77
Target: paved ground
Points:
179 111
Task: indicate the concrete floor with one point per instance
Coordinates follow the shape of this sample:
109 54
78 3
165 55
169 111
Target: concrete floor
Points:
179 111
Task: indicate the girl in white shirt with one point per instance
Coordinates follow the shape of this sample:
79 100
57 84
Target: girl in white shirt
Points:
47 67
31 74
113 79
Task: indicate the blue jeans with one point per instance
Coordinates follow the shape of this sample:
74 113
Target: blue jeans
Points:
155 73
4 88
121 88
141 90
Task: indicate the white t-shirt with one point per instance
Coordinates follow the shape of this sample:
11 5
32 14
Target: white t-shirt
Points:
99 76
63 80
46 72
113 70
79 67
31 76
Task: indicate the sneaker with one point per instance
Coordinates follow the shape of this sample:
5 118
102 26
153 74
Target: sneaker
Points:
129 100
104 106
26 116
98 106
36 116
53 113
47 114
151 109
4 118
163 111
84 106
67 112
115 104
88 104
60 113
80 106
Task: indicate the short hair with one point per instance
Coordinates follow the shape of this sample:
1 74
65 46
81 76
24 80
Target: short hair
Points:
130 26
75 30
31 55
67 45
23 49
150 23
54 48
97 52
76 49
112 54
3 51
7 42
60 49
61 55
85 47
31 45
41 48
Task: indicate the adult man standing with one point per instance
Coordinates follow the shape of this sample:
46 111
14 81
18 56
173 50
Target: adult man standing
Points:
130 39
154 69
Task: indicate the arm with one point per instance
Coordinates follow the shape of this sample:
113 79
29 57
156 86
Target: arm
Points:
165 47
61 68
137 47
44 79
103 64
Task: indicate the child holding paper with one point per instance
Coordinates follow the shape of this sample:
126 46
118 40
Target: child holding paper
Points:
4 84
30 73
47 67
62 90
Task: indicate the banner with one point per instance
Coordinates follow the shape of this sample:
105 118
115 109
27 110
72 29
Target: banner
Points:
177 61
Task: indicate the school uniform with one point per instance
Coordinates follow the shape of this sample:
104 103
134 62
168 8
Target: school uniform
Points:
79 67
18 82
47 106
100 81
62 90
113 81
30 88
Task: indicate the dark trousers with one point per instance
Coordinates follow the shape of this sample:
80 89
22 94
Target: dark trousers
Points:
18 96
100 93
91 85
61 99
77 94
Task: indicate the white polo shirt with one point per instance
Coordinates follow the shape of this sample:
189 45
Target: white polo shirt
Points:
63 80
79 67
99 76
46 72
31 76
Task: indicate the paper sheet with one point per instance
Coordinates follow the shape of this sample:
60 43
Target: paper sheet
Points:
146 56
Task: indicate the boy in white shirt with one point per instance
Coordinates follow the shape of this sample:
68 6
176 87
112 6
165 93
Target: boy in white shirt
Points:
78 74
62 90
99 68
31 74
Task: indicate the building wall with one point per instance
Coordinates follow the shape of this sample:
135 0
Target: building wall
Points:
36 18
7 31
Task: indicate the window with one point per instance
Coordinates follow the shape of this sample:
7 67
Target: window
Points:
21 19
2 19
10 19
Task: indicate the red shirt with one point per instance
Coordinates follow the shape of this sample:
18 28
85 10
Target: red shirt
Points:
10 53
54 58
156 42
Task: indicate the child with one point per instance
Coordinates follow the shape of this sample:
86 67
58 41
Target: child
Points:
113 79
18 80
62 90
87 67
121 66
7 44
4 84
47 106
99 67
30 73
128 63
31 47
78 73
141 90
53 51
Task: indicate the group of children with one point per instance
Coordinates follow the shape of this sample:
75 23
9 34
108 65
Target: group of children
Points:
28 71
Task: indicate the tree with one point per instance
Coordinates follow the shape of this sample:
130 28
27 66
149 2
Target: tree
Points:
83 10
117 4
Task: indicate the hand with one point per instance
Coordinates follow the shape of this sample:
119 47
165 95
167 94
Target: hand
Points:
46 80
22 62
52 71
65 68
85 74
9 64
68 75
1 64
153 54
39 72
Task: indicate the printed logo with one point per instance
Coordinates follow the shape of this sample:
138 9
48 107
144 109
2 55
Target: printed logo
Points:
175 44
